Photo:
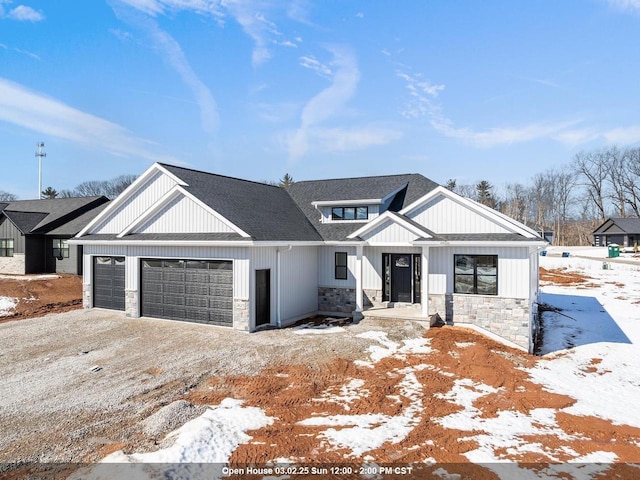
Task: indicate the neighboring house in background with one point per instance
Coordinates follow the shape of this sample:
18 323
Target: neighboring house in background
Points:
194 246
34 234
546 233
622 231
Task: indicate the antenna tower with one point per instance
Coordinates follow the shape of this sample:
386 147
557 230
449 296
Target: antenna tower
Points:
40 154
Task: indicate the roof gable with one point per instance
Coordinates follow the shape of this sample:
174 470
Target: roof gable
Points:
619 225
446 212
391 227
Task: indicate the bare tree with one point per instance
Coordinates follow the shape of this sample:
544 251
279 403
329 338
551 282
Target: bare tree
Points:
593 170
515 202
616 171
631 179
7 197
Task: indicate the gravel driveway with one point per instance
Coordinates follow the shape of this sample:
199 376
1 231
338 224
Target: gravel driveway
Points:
76 384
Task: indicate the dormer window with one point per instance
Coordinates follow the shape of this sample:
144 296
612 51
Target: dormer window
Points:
350 213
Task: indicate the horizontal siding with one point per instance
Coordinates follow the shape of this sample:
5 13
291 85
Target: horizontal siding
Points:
513 269
183 215
327 263
146 195
372 264
445 215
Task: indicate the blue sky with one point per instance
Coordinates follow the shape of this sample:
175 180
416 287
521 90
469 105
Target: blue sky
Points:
496 90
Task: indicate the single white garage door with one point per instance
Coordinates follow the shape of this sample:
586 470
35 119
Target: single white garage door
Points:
188 290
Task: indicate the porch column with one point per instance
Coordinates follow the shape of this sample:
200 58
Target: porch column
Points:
424 281
358 274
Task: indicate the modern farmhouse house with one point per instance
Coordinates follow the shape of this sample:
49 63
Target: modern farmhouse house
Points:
34 234
187 245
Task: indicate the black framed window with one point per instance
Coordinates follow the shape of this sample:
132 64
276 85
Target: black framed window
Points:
350 213
341 266
475 274
60 248
6 247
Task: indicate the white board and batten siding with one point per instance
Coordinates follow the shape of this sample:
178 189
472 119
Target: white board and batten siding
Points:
513 269
389 232
445 215
327 264
299 283
183 215
140 201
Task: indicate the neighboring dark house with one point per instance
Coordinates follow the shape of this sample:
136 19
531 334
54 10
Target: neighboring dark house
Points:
622 231
34 233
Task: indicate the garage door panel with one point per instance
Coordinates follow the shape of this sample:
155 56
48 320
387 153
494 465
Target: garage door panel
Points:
109 282
188 290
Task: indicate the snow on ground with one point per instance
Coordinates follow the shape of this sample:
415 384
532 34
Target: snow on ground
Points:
602 324
7 304
210 438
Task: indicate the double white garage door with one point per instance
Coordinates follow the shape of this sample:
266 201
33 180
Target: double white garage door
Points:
187 290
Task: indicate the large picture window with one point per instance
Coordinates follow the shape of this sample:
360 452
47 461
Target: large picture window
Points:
60 248
341 266
476 274
6 247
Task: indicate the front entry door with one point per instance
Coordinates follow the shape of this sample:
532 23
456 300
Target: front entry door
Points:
263 297
401 278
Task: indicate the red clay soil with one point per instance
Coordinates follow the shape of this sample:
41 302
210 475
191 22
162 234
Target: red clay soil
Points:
41 297
561 276
291 393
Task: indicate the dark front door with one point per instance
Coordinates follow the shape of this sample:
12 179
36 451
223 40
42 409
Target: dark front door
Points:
401 278
263 297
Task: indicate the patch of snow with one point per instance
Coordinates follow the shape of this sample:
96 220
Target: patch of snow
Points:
349 393
390 348
604 326
209 438
7 304
311 329
363 433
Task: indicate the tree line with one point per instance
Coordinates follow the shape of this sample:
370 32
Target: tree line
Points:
571 200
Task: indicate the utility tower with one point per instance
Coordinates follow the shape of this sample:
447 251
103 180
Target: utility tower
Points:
40 154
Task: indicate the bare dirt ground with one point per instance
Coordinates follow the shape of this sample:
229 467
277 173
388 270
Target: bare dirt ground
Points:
41 296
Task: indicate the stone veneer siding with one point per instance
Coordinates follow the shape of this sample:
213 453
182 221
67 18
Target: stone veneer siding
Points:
86 295
131 303
334 299
241 314
13 265
373 298
506 317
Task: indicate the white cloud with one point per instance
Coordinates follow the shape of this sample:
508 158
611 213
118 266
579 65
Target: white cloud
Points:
312 63
40 113
28 53
422 93
160 7
632 6
623 135
172 53
500 135
329 101
23 13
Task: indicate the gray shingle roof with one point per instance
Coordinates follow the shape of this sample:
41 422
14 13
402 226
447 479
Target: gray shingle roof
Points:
57 215
413 186
215 236
627 225
265 212
483 237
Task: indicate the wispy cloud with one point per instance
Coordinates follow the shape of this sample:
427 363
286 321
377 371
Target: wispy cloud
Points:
161 7
173 54
28 53
21 13
632 6
40 113
311 135
422 104
312 63
623 135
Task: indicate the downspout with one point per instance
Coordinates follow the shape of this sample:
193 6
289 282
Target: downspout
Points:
278 287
